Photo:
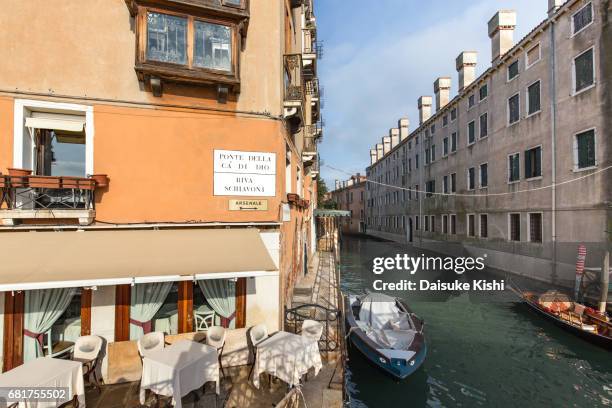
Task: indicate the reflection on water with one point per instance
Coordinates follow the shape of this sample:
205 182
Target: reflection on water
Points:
481 353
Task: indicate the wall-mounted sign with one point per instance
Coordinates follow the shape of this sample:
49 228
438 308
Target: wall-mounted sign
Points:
240 173
248 205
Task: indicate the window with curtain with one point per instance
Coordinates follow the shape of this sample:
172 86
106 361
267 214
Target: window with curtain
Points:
213 46
146 300
584 146
584 74
166 38
220 294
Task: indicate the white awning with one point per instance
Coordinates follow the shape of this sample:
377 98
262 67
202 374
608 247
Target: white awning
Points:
43 260
56 121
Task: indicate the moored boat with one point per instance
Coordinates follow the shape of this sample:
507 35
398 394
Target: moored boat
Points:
574 317
386 332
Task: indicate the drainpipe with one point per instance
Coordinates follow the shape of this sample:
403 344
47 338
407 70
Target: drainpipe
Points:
420 189
553 112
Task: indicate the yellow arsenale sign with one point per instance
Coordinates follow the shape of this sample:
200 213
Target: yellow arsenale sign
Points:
248 205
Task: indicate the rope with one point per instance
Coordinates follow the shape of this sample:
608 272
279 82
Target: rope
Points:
478 195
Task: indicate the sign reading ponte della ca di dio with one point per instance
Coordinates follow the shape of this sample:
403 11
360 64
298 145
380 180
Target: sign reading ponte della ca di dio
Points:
239 173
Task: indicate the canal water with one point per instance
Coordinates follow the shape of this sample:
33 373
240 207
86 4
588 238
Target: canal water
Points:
484 351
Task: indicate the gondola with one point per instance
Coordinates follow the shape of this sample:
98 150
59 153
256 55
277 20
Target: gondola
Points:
574 317
386 332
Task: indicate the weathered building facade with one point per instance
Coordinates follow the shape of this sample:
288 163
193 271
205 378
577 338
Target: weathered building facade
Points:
350 195
516 164
199 122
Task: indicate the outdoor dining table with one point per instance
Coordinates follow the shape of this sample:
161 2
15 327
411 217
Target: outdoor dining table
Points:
286 356
178 369
47 373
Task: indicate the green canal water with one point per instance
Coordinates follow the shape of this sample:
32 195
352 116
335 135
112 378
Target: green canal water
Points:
483 351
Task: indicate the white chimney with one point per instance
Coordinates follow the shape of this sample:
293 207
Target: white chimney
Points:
386 144
395 137
553 6
466 67
424 109
337 184
501 33
379 151
442 88
403 125
373 156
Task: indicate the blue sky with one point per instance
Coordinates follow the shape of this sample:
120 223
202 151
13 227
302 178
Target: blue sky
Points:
381 55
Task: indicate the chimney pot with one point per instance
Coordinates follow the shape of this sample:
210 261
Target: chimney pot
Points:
553 6
442 88
373 156
394 134
379 151
403 125
424 108
501 32
386 144
466 67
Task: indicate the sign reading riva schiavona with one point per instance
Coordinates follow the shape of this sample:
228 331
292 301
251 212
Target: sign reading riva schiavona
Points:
240 173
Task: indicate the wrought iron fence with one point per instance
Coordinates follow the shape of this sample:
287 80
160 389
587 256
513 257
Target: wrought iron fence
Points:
329 318
294 87
36 192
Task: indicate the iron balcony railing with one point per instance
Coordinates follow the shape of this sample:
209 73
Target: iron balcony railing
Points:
41 192
313 130
312 88
310 144
294 86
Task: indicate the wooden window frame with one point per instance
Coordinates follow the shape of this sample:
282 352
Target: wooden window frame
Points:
187 73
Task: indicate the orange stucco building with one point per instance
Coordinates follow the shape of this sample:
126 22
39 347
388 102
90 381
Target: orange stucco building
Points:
140 116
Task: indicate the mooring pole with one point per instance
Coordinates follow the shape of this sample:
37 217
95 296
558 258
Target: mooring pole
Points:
605 282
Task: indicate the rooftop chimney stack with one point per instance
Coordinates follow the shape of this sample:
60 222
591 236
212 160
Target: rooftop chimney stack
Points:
403 125
373 156
337 184
501 32
466 67
395 137
379 151
386 144
553 6
424 109
442 88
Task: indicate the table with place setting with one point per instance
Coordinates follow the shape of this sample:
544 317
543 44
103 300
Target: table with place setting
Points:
286 356
178 369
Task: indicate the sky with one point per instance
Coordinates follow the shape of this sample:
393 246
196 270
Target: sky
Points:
381 55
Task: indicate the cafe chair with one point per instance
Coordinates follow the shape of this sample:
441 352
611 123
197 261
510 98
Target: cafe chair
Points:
87 351
257 334
312 329
204 321
215 337
150 342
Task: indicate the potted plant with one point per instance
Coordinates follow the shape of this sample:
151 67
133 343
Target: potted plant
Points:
293 198
44 182
18 176
100 179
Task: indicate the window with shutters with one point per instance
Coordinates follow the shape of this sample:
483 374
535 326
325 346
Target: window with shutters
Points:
483 92
584 150
453 178
532 56
535 227
533 98
484 125
471 132
484 175
484 226
514 227
445 224
513 70
433 152
430 187
445 184
454 142
513 168
445 120
514 109
445 147
584 71
471 178
582 18
471 225
533 162
453 224
453 114
471 101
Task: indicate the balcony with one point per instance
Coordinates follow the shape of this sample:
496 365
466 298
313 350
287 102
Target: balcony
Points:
313 168
294 88
311 51
47 198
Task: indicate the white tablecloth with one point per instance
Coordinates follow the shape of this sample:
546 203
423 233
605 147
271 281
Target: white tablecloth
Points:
286 356
179 369
47 372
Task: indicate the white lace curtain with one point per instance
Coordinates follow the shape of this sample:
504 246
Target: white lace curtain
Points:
221 296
